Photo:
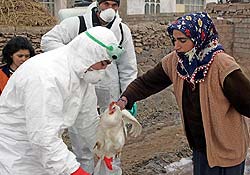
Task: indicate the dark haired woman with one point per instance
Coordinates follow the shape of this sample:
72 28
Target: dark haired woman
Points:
15 53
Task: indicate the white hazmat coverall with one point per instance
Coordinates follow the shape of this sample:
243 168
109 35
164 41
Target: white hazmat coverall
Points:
45 95
117 75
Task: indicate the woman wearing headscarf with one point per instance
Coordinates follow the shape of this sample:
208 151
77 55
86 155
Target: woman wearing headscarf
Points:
15 52
211 91
47 94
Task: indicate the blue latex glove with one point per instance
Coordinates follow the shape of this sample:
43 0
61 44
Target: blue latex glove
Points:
133 111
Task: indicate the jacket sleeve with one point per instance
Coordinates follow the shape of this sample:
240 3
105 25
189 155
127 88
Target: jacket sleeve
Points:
127 64
44 120
3 80
151 82
236 88
61 34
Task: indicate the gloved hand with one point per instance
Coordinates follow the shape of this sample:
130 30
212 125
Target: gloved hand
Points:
80 171
133 111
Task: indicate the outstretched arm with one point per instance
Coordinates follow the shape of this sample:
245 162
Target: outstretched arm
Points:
148 84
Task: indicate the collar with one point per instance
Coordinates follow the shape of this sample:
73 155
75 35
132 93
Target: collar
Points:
7 70
195 70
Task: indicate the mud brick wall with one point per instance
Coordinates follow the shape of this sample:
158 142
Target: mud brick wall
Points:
236 33
225 29
241 46
229 10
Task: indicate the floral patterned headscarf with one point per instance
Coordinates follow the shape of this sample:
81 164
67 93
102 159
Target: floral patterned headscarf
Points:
194 65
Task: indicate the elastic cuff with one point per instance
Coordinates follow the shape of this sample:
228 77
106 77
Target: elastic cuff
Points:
80 171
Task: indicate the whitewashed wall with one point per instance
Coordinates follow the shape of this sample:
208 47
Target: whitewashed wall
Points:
208 1
136 7
168 6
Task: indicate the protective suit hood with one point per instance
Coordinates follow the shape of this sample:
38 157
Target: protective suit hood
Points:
82 52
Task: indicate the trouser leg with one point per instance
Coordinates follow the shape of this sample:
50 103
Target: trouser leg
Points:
201 167
83 147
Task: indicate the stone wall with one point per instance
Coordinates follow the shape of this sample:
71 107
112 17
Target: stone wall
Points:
151 36
34 34
159 18
234 11
236 33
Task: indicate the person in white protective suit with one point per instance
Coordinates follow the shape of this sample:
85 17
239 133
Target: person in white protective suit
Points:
117 76
48 93
100 13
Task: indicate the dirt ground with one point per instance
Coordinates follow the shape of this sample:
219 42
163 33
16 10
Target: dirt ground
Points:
162 140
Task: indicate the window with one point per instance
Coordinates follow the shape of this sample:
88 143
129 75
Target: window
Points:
146 8
152 7
194 5
157 8
179 1
50 5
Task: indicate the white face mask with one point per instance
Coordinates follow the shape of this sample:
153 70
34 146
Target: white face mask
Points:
107 15
94 76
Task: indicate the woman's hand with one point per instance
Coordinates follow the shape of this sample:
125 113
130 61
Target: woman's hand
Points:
122 102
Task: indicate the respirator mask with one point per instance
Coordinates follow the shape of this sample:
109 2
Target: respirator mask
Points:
108 15
94 76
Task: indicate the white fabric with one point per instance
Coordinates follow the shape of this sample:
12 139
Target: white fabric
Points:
69 12
44 96
119 74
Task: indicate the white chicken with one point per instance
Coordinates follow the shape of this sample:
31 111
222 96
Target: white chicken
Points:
112 131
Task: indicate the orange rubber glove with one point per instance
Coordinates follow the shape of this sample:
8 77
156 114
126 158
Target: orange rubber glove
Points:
108 162
80 171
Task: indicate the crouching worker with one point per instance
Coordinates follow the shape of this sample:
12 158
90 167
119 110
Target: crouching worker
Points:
48 93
